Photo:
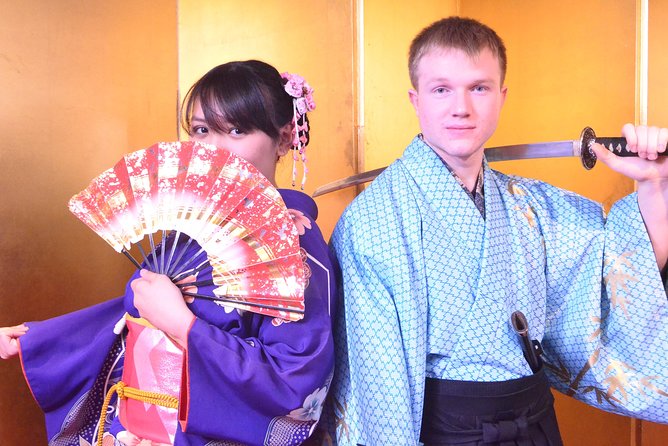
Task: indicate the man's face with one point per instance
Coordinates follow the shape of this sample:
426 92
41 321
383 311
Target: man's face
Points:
458 102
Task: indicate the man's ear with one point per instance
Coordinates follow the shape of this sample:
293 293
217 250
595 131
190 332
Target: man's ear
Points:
285 139
413 97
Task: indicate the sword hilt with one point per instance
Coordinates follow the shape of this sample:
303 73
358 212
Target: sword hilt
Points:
615 145
531 347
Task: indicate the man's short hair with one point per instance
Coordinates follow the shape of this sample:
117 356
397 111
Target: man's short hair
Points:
459 33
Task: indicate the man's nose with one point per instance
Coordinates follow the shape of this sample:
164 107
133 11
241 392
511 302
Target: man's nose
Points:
462 104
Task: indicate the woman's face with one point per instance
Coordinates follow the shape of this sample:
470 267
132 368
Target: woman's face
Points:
256 147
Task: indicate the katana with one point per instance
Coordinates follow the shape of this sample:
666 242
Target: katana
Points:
580 148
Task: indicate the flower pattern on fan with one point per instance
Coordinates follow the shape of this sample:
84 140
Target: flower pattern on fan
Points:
218 199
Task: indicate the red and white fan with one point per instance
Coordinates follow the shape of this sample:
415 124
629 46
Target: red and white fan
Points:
218 199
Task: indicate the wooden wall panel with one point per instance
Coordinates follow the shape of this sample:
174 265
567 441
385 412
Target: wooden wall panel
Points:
389 118
654 434
315 40
658 62
81 84
558 82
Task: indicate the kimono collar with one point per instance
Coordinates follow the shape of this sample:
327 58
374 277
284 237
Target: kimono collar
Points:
295 199
478 193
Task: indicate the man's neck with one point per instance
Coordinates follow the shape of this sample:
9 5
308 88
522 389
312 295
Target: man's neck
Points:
467 170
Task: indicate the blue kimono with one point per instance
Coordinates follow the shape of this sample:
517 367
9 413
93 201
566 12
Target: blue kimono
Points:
251 380
429 286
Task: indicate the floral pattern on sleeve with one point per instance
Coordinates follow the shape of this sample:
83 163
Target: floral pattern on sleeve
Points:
300 220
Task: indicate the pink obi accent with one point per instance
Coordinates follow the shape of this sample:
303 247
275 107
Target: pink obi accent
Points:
153 363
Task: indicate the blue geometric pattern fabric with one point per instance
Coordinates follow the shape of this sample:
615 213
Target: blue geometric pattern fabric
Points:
429 286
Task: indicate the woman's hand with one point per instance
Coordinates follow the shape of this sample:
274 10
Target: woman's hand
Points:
9 345
160 302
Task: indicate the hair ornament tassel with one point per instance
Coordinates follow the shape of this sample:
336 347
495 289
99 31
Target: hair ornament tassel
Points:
302 103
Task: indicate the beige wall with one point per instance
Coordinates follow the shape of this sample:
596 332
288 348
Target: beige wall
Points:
81 83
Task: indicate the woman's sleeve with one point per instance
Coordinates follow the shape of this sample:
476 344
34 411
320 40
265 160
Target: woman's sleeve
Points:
69 363
270 385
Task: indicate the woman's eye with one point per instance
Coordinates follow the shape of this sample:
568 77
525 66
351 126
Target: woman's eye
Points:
199 130
236 131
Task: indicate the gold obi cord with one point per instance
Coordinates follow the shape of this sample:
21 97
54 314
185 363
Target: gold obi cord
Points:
149 389
159 399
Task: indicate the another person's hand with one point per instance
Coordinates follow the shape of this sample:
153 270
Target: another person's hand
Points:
647 142
160 302
9 345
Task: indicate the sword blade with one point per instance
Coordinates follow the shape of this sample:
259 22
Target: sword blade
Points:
556 149
350 181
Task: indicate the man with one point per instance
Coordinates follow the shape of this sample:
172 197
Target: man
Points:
440 251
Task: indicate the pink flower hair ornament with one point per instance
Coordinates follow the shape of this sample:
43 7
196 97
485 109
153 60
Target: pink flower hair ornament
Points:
302 103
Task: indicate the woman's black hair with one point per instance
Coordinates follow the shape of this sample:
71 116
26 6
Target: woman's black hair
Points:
247 95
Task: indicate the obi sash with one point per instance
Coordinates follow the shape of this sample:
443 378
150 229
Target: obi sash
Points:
153 363
506 413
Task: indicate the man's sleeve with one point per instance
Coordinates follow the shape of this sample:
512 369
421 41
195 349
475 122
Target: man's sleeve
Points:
607 335
372 399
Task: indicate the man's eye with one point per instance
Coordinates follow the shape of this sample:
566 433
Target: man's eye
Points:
480 88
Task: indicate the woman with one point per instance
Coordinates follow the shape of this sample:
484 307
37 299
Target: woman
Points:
247 378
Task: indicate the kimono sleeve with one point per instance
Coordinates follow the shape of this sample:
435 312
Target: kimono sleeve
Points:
272 384
606 340
69 363
373 396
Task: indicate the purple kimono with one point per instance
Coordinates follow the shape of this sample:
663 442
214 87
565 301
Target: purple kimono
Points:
248 379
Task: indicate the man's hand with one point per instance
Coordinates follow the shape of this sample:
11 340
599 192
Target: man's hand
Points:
647 142
160 302
651 173
9 345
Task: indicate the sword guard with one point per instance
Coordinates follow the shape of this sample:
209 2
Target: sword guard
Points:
616 145
587 156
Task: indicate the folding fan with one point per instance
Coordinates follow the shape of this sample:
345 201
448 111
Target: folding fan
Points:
247 242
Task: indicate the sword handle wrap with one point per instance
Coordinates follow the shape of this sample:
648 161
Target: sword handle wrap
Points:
615 145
